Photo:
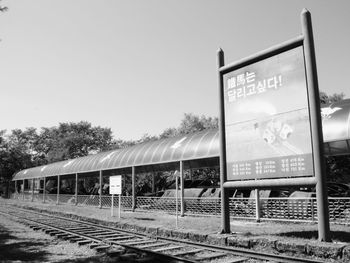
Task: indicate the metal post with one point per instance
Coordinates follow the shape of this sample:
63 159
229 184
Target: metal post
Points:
44 188
182 185
112 206
100 199
153 184
76 189
58 189
32 189
257 205
312 210
133 185
225 209
317 137
119 205
176 198
23 188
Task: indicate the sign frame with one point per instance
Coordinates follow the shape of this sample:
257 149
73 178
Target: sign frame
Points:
117 181
305 41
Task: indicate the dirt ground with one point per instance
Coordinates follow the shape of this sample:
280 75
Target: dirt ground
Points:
18 243
208 224
283 231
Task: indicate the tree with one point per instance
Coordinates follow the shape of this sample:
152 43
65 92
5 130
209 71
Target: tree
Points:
189 124
3 8
14 153
327 99
72 140
168 133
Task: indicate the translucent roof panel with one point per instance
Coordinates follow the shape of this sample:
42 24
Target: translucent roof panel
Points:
186 147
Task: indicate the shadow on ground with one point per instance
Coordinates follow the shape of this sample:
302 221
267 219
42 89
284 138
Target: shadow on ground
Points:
339 236
145 218
12 249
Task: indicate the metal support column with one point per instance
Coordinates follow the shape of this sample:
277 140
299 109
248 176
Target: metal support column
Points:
257 205
153 184
76 189
225 208
133 186
182 185
23 188
58 189
44 190
32 189
100 198
316 127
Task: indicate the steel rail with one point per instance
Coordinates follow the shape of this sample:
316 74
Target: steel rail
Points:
100 241
229 250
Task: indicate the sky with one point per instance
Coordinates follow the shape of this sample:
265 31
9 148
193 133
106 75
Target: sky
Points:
137 66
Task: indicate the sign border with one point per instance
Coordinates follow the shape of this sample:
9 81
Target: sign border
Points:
319 179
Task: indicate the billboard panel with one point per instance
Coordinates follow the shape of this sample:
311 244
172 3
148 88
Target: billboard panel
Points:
267 124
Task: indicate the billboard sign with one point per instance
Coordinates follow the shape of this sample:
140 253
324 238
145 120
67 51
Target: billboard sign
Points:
115 185
267 123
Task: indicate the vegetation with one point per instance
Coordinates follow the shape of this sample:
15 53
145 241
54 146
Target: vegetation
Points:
327 99
3 8
27 148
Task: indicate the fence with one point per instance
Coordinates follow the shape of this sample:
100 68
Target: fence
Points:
289 209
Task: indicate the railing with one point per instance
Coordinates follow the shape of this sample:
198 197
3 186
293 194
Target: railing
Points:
290 209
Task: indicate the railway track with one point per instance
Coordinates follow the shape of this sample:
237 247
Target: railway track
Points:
103 238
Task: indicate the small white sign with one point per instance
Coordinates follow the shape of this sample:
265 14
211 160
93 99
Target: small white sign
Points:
115 185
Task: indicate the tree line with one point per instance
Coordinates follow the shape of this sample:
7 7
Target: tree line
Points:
21 149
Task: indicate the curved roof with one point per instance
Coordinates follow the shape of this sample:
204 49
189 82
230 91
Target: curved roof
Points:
336 128
186 147
205 144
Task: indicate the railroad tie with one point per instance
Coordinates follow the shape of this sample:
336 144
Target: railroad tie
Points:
76 239
95 245
117 238
239 260
102 248
142 241
152 245
48 231
211 257
109 235
179 254
84 242
166 248
62 235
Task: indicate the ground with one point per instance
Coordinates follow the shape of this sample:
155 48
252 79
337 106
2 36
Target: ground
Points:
292 237
18 243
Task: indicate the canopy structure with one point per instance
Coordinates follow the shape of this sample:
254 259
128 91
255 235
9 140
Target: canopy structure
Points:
336 128
201 145
186 147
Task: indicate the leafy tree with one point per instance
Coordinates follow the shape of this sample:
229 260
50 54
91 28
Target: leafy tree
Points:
26 148
72 140
14 154
189 124
146 138
326 99
169 132
3 8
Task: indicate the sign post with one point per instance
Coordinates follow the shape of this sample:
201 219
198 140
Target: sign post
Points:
176 197
115 187
270 123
